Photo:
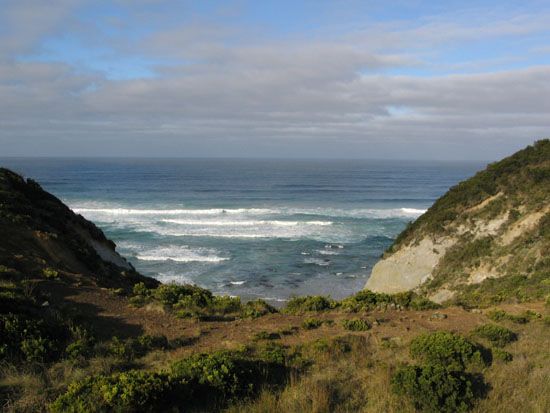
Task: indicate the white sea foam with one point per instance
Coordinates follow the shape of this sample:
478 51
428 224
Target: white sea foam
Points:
179 253
117 211
237 282
317 261
242 223
280 300
327 252
173 278
205 222
210 211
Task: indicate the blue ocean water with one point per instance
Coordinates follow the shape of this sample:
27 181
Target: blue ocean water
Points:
253 228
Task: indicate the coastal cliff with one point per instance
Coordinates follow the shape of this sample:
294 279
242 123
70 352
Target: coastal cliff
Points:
40 236
491 226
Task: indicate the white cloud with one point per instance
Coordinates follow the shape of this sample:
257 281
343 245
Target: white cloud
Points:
225 94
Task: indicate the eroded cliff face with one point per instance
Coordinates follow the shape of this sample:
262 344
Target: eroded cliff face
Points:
495 224
409 267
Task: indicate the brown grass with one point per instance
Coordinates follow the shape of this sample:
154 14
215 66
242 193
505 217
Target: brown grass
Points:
356 379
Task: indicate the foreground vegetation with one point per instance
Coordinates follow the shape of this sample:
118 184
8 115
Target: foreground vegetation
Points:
329 357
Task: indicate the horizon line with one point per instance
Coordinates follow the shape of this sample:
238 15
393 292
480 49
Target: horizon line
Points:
236 158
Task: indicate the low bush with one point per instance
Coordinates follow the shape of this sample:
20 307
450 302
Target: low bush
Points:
369 300
497 335
272 353
25 338
132 391
450 350
524 318
356 324
257 308
443 382
189 301
434 388
203 382
132 348
365 300
182 295
502 355
311 323
50 273
265 335
298 305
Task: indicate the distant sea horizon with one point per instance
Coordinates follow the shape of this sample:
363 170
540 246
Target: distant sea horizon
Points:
255 228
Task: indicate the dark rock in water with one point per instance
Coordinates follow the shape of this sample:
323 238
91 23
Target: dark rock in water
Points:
41 236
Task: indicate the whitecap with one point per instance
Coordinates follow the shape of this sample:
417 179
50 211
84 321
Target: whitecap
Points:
209 211
327 252
317 261
180 253
204 222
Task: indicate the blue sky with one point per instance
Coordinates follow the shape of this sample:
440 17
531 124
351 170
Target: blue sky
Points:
444 80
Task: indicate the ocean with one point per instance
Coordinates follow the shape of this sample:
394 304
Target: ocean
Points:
251 228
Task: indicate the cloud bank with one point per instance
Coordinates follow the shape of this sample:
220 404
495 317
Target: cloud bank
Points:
77 80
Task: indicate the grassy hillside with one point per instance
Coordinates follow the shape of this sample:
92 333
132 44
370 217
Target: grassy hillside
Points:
82 334
523 179
495 225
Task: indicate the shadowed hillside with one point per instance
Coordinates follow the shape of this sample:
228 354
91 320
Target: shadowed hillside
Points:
42 237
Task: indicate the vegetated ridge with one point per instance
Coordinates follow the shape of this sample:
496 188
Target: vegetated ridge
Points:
486 240
42 236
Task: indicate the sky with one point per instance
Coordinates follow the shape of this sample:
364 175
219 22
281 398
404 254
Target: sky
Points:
449 80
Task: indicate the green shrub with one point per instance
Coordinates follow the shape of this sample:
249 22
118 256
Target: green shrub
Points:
422 303
50 273
141 295
502 355
23 338
225 376
501 315
225 304
369 300
265 335
272 353
434 388
37 349
497 335
297 305
450 350
132 391
136 347
184 295
356 324
365 300
311 323
257 308
203 382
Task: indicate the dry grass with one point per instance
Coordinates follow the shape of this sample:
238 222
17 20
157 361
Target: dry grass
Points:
359 380
348 371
